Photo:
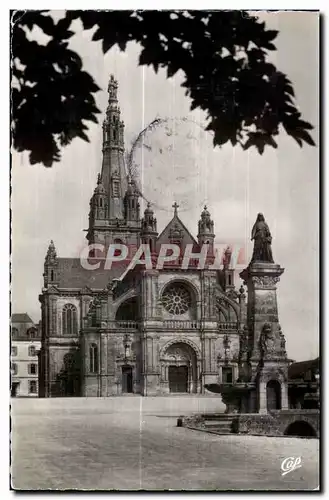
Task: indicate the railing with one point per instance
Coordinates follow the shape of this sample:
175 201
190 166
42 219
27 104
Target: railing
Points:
228 326
181 325
127 325
166 324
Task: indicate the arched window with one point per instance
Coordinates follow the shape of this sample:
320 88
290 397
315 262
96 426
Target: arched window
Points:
70 321
116 189
93 358
52 275
32 333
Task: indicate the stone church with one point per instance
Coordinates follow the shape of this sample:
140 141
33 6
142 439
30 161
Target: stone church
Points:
155 331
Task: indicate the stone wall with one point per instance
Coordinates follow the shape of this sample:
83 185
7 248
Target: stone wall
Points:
270 424
276 422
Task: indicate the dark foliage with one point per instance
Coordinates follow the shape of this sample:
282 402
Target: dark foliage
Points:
223 55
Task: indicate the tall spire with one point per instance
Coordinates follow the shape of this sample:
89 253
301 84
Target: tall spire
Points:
114 177
114 208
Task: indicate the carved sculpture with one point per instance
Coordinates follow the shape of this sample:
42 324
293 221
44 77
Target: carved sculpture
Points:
267 340
262 241
265 281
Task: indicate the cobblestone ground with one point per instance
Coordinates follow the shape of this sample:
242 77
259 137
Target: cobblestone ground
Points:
132 443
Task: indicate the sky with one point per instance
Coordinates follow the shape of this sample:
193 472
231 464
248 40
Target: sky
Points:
283 184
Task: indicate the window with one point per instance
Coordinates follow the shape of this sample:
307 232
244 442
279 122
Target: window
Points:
52 275
32 351
32 333
14 350
14 368
33 387
93 358
70 322
115 187
14 332
227 375
32 369
176 299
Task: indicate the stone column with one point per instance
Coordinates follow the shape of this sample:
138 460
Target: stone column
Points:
267 354
103 367
150 317
149 295
209 361
151 364
208 284
261 279
53 329
262 399
284 396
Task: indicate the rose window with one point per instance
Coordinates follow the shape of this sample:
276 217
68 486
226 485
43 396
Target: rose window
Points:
176 299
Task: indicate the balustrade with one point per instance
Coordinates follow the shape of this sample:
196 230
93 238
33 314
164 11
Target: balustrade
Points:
231 325
181 324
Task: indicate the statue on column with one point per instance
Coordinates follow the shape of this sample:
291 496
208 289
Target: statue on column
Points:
262 241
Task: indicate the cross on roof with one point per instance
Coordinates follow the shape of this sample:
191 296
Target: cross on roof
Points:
175 206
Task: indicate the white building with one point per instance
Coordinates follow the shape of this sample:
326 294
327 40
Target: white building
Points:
25 346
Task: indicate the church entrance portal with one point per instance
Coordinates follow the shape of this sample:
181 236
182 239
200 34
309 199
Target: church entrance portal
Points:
178 378
127 379
179 368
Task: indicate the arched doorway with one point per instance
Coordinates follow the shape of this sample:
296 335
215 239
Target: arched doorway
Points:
180 368
273 395
127 379
300 428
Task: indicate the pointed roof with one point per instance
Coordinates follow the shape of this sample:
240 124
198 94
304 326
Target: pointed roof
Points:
174 225
71 274
21 318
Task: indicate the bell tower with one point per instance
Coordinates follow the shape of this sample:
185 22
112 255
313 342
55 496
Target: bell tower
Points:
114 208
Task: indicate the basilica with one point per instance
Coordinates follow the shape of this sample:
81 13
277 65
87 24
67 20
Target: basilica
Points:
110 331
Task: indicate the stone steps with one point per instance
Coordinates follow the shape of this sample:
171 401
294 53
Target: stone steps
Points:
217 423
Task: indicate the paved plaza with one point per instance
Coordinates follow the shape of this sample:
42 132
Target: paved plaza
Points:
131 443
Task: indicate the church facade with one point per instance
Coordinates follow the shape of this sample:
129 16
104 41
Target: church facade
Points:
160 330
